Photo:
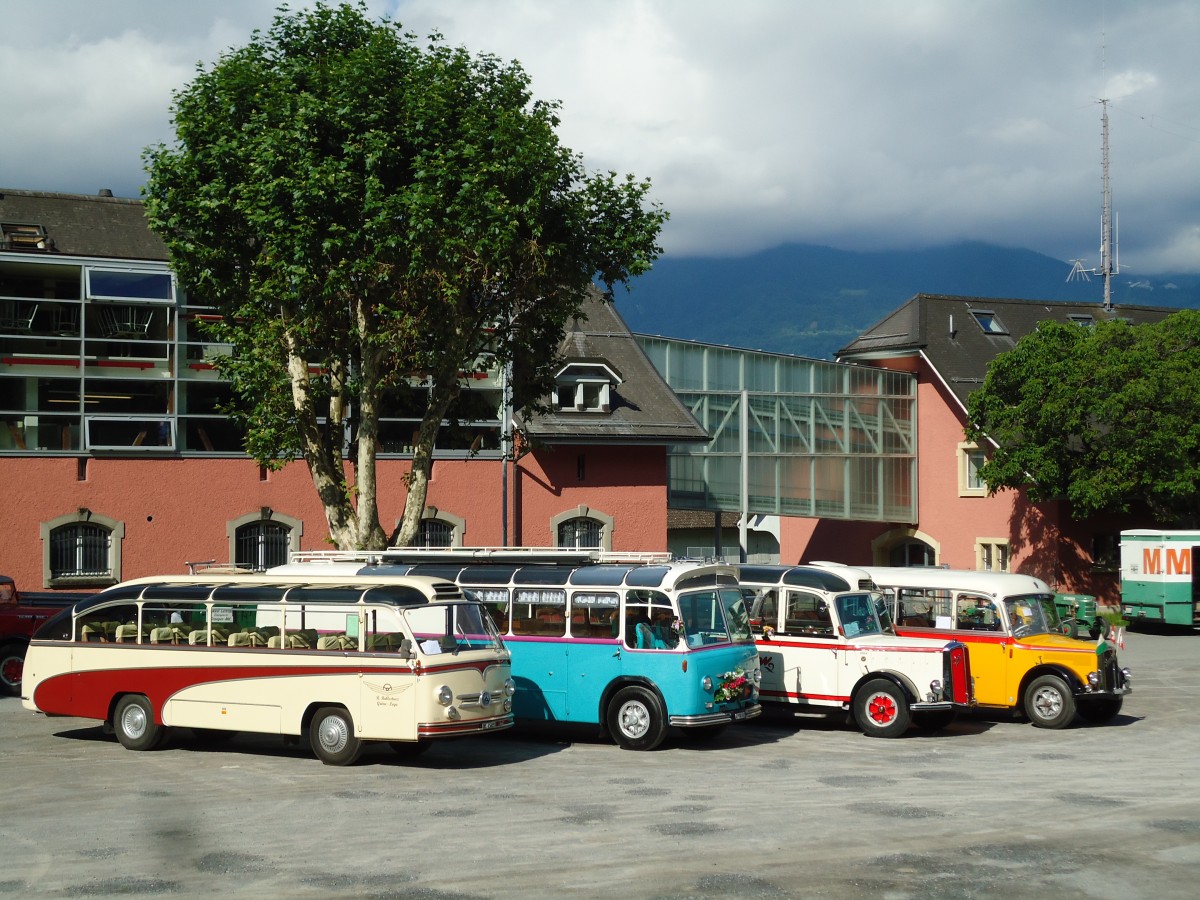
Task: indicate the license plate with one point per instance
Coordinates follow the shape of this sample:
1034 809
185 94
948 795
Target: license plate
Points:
740 714
486 725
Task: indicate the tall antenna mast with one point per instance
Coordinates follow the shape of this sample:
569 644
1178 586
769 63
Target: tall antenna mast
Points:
1108 265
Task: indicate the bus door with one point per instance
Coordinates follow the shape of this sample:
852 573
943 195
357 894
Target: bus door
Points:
388 699
979 623
593 654
807 673
540 653
647 632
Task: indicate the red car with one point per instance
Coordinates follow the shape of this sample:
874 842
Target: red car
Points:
20 617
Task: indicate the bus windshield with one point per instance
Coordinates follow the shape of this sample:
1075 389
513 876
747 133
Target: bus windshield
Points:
859 614
452 628
1032 614
714 617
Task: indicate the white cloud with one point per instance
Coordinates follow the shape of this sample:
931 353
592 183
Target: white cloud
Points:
860 123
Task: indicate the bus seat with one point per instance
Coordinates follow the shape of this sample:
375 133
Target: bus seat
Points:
163 635
331 642
242 639
275 641
645 639
381 641
126 633
305 639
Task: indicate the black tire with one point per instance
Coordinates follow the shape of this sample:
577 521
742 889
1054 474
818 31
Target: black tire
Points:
881 709
1099 710
331 736
934 720
409 748
636 719
133 721
1049 703
12 663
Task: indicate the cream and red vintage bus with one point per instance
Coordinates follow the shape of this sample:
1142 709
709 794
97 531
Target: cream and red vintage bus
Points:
339 660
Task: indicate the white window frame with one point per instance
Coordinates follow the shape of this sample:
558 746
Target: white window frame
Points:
966 453
990 549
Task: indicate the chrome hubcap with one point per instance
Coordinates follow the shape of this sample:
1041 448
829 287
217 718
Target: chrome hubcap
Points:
634 719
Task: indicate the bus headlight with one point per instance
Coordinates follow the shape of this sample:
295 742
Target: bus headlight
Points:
510 687
757 677
935 688
1093 679
707 683
445 696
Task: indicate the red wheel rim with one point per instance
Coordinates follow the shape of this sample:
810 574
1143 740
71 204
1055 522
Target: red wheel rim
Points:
881 708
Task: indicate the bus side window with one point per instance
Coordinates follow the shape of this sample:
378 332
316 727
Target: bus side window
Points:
540 611
976 612
915 609
764 608
807 614
100 625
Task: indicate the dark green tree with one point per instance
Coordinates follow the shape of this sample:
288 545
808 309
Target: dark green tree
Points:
1107 417
366 212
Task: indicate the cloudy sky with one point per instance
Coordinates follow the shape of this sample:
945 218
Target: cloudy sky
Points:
861 124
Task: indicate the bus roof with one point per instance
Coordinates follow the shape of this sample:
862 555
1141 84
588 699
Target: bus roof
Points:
832 579
996 583
517 566
275 588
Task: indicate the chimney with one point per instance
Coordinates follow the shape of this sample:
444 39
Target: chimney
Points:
105 192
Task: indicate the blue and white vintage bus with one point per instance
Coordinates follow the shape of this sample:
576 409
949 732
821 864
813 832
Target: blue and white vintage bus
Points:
636 643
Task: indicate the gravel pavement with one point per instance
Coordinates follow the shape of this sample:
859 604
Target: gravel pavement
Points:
778 807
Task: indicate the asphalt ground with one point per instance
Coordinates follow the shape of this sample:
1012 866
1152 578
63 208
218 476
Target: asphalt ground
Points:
778 807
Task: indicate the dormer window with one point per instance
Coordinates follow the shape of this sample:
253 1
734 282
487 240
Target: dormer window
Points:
586 387
1081 319
16 236
989 321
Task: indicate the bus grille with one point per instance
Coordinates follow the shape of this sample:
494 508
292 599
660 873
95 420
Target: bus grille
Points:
1110 673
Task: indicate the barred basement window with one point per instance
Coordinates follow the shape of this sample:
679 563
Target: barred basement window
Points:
579 532
435 533
261 545
81 550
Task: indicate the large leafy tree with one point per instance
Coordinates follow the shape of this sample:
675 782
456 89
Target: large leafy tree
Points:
366 212
1107 417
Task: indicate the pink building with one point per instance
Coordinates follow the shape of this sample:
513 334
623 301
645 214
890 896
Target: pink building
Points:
948 342
116 463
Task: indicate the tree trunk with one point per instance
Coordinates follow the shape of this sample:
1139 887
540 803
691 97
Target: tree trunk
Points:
445 388
324 458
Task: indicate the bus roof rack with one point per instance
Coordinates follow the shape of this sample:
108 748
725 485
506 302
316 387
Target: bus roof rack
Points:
523 555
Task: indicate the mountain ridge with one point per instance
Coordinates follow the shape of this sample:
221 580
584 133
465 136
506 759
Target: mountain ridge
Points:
812 300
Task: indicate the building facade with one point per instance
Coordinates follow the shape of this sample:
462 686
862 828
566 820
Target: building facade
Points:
117 461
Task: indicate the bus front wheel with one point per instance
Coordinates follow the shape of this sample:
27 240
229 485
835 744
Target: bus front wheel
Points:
331 736
881 709
1048 702
133 721
636 719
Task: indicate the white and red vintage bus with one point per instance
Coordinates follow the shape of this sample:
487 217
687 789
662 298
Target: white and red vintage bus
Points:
341 660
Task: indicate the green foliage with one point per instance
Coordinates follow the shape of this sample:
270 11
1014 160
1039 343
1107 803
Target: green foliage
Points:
1106 417
363 210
